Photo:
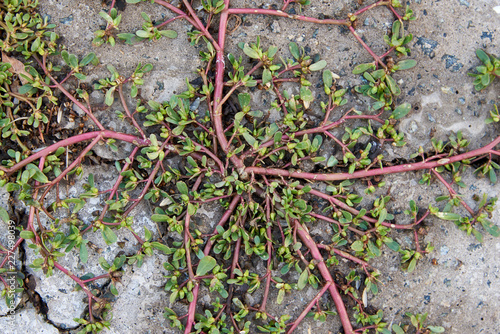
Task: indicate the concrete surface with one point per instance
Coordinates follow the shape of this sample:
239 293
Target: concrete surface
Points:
458 284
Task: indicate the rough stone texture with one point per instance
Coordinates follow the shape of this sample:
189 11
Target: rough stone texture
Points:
460 291
26 321
7 239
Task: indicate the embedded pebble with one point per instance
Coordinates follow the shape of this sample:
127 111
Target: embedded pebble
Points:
413 127
66 20
444 250
464 3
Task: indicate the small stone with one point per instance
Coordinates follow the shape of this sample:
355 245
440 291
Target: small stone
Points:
413 127
458 111
464 3
431 119
461 100
427 45
194 106
97 97
275 27
451 63
78 110
66 20
444 250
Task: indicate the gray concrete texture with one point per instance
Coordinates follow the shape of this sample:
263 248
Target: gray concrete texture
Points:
458 284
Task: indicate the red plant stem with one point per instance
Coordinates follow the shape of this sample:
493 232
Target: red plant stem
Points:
208 247
195 24
222 221
309 306
452 192
200 26
207 152
333 221
31 217
280 13
287 2
336 202
387 52
5 259
187 246
127 111
319 129
170 20
236 256
192 308
400 18
70 167
344 255
262 307
76 279
376 4
74 140
374 172
70 96
146 187
96 278
337 299
219 86
118 181
367 48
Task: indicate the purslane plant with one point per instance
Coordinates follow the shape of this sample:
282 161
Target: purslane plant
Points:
253 169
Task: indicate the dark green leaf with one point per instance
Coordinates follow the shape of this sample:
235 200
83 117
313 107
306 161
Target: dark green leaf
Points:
110 96
412 265
87 59
27 234
244 99
493 176
294 50
301 284
491 228
436 329
169 33
328 78
447 216
206 264
113 289
250 52
405 64
4 215
25 89
183 189
160 218
108 235
357 246
483 56
164 248
373 248
401 110
397 329
267 77
363 67
318 66
393 86
84 254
